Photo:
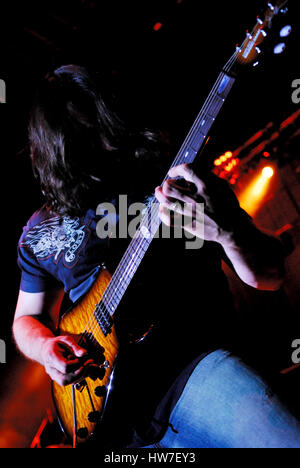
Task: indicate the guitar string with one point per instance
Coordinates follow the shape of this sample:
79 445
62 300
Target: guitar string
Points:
93 324
108 295
200 116
227 68
113 293
143 242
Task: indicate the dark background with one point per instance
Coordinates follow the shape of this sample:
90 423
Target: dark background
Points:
161 79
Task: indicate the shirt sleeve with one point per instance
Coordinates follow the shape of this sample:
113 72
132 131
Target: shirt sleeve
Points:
34 278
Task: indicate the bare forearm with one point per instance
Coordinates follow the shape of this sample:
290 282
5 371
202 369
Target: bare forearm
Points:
257 257
30 336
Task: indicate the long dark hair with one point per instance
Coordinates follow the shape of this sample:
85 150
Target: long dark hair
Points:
79 145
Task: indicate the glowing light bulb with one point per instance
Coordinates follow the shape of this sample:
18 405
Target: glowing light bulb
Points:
268 172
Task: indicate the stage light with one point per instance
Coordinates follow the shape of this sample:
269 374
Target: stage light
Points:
279 48
253 195
268 172
266 154
286 31
228 154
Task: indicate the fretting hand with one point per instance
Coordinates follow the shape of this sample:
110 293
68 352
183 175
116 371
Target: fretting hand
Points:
186 197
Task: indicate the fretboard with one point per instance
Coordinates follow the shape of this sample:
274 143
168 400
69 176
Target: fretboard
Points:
150 221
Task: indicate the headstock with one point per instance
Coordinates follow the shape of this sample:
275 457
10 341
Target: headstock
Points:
250 50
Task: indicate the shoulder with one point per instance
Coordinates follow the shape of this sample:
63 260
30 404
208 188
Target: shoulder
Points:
39 216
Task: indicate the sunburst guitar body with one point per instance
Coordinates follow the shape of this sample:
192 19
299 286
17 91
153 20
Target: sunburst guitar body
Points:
80 407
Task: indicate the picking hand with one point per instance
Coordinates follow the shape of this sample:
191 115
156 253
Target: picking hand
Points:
65 361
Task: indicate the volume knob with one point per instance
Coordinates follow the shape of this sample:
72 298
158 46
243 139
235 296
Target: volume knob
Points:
82 433
94 416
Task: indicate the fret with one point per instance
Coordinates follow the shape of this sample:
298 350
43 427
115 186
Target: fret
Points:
225 86
197 141
189 157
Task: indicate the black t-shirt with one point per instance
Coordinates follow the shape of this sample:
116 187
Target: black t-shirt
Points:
183 293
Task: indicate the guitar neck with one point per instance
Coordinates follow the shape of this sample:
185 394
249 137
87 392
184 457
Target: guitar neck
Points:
150 221
204 121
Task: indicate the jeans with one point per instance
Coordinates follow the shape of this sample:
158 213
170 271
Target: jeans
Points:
225 404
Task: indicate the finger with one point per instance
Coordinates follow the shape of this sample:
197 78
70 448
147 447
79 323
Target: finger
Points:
160 195
166 202
162 198
173 192
183 209
76 349
168 218
66 379
186 171
165 216
60 363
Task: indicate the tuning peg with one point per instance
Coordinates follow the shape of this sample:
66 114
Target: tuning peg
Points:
258 50
279 48
271 6
286 31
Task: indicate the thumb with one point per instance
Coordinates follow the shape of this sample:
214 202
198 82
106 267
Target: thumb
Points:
77 350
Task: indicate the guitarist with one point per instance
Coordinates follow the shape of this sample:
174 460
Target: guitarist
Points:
184 386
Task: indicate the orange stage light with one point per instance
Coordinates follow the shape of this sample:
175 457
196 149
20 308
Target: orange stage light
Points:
254 195
267 172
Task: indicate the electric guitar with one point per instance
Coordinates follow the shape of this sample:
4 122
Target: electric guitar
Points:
81 407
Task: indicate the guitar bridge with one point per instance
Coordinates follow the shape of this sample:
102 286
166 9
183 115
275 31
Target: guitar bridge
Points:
80 386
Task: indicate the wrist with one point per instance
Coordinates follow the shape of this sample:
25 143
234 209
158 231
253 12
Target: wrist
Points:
45 344
238 234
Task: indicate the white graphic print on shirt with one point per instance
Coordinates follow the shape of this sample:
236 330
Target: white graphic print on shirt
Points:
55 236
